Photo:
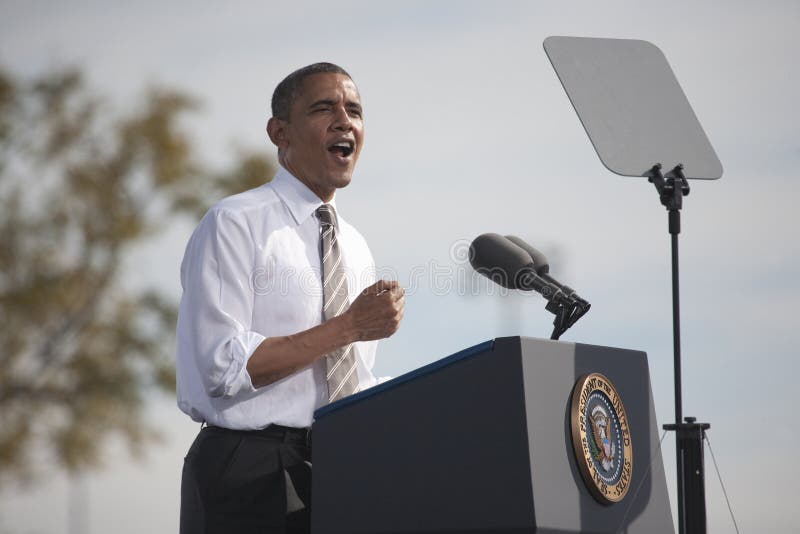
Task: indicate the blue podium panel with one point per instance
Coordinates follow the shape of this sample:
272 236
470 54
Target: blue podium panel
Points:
480 442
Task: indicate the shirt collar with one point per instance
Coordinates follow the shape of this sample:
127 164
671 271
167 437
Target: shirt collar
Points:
300 200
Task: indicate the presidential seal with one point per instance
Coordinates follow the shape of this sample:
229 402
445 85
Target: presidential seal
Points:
601 438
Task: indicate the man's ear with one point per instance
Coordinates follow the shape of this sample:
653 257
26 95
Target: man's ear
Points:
276 129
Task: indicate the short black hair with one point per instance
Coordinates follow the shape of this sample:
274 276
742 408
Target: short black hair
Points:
286 91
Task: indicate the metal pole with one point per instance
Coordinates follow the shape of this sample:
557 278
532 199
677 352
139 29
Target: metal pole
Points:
675 224
674 230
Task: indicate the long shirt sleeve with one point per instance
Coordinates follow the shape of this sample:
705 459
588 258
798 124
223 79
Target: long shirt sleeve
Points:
217 308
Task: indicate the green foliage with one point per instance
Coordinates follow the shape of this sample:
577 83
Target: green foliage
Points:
79 187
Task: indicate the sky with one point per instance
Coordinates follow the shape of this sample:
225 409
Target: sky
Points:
468 130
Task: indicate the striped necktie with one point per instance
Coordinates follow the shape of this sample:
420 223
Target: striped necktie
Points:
341 363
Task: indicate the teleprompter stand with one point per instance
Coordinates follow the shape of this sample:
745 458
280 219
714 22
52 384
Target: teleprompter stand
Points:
689 434
636 115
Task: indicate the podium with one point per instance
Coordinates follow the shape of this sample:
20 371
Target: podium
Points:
482 442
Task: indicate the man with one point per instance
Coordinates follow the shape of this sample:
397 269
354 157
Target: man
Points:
277 317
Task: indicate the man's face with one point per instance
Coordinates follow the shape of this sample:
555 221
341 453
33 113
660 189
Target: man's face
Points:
322 139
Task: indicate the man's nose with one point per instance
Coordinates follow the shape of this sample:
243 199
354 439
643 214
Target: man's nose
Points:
342 120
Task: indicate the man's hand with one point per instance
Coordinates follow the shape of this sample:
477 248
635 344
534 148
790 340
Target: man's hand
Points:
377 311
375 314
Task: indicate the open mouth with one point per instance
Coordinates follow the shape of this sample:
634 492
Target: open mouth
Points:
342 148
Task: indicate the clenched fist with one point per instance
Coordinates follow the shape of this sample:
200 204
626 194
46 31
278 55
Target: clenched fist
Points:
377 311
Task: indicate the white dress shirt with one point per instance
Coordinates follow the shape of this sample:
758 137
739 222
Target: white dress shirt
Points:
252 270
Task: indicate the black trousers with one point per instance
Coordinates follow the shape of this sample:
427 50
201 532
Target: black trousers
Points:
235 482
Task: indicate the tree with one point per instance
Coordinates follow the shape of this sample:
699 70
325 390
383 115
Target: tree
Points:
80 186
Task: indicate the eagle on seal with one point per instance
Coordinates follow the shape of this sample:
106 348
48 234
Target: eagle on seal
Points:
602 438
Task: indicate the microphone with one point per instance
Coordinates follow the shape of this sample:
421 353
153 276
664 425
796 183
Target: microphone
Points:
541 265
538 258
543 269
507 264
